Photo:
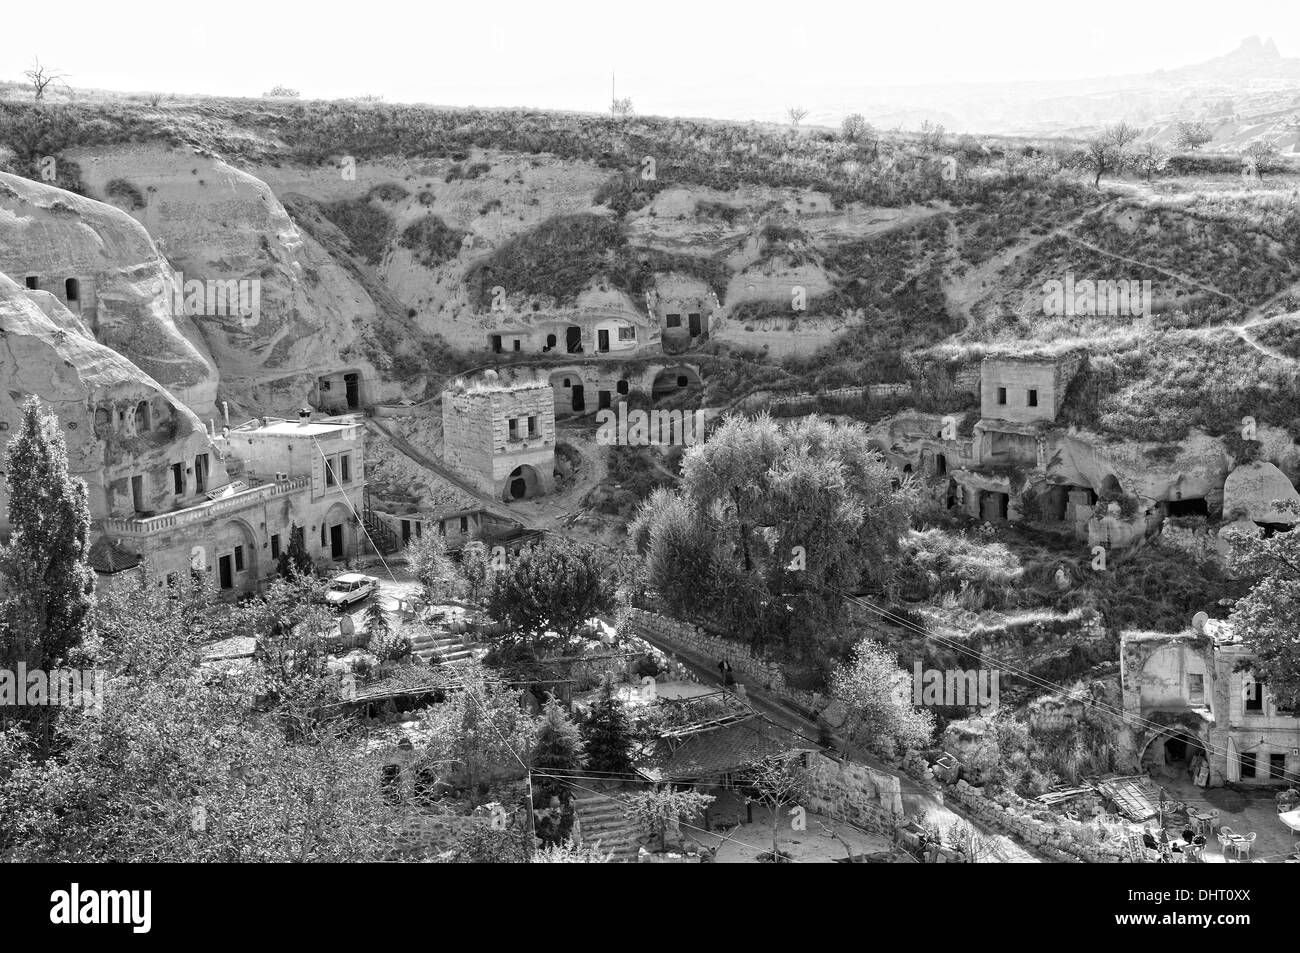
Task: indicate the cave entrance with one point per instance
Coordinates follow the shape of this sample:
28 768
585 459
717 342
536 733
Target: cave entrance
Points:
993 506
1194 506
352 387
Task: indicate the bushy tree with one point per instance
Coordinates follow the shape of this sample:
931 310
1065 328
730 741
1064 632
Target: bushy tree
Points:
552 586
47 582
295 559
433 567
1192 135
480 733
476 570
876 695
770 524
662 809
607 733
558 749
1108 152
1268 617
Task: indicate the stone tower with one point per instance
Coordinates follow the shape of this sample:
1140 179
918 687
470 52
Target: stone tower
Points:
499 435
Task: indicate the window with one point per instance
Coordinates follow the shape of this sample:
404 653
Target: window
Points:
71 291
331 474
322 534
239 559
142 417
674 320
442 527
1247 764
496 344
275 545
532 427
178 478
622 387
137 493
1002 395
513 429
464 524
627 334
1254 693
681 380
1196 689
345 467
566 382
1033 397
550 341
419 529
1277 766
201 473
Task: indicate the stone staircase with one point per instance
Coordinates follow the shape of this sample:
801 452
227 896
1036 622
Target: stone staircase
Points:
382 537
446 646
601 818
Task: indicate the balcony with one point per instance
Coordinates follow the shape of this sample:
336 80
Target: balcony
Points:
169 522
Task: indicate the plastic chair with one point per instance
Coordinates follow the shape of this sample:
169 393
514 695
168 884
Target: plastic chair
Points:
1244 844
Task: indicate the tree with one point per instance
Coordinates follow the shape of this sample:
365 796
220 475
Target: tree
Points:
1192 135
1264 157
874 692
295 560
481 728
44 616
552 586
1107 153
376 619
476 570
662 809
607 734
1150 159
796 114
281 92
172 768
42 78
1268 617
779 784
558 749
770 525
621 107
932 136
433 567
855 128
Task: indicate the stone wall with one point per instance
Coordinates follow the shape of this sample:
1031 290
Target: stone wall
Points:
855 793
747 668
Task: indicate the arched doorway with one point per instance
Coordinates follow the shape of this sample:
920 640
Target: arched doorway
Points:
672 380
522 484
336 539
236 558
1175 753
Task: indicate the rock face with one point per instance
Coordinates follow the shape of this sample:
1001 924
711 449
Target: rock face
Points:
216 223
1254 488
101 265
125 433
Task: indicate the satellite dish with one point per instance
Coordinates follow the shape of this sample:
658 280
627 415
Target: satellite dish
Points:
1198 621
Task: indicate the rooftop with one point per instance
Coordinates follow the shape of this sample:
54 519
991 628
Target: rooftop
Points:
303 427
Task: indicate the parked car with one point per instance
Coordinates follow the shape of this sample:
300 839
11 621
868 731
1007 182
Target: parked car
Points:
350 588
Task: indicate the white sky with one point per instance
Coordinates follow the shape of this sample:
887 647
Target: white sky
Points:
693 57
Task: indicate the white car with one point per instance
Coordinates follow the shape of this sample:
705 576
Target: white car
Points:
350 588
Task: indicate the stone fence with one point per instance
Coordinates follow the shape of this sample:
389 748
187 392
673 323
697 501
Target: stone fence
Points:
855 793
746 667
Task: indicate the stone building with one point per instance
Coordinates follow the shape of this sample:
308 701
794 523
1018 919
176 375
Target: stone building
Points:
499 434
1195 694
684 309
592 331
266 482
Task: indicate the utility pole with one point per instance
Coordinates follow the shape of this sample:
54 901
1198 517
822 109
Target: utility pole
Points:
532 823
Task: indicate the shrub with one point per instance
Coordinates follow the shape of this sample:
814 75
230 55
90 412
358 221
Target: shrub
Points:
125 193
432 240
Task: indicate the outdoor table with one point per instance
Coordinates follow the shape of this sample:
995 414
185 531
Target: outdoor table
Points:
1291 819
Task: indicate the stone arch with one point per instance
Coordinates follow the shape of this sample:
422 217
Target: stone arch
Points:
523 483
672 380
337 537
570 391
234 557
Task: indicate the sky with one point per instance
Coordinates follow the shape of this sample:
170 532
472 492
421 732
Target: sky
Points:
674 57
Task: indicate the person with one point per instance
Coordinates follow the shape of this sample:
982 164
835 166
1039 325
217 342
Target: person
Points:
724 668
1148 839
